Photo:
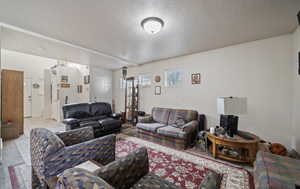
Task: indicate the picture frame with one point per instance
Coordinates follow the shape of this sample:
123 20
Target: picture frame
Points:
157 90
64 79
196 78
299 63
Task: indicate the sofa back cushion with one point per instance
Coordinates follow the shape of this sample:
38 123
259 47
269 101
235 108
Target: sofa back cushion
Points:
100 109
70 110
186 115
160 115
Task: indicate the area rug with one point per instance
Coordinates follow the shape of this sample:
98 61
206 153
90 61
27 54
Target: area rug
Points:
182 168
179 167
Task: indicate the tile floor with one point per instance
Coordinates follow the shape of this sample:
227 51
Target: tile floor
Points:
16 153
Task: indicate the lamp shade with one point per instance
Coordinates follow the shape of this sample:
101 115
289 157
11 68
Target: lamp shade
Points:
232 105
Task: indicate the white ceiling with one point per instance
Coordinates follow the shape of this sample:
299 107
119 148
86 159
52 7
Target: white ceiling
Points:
113 26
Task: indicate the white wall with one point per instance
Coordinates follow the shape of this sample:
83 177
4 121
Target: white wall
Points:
33 67
296 92
75 73
259 70
101 84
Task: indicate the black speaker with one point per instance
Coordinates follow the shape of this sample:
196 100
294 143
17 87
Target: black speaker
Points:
298 17
230 124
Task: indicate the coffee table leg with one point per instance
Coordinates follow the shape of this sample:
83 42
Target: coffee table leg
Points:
214 149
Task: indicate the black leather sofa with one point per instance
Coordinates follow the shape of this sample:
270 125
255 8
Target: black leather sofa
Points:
97 115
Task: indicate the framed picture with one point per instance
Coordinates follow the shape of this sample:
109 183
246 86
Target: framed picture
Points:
64 79
86 79
298 63
157 90
196 78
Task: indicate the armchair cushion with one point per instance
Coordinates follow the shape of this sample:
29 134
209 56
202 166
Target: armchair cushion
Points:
152 127
125 172
172 132
76 136
77 178
152 181
70 156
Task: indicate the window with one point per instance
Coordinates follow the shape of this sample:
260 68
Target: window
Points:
173 77
145 79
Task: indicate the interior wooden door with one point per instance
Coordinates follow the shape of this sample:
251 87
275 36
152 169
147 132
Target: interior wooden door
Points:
12 84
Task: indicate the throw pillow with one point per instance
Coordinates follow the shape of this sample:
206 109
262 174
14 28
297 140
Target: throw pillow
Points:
179 123
211 180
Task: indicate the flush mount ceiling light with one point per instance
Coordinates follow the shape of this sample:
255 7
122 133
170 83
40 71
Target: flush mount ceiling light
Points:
152 25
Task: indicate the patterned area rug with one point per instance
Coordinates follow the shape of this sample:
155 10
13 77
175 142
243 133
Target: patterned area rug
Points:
179 167
182 168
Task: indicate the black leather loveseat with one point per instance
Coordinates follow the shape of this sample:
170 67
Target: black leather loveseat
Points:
97 115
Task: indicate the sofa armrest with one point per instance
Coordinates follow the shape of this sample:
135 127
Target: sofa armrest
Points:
115 116
79 178
100 149
145 119
127 170
76 136
71 121
191 126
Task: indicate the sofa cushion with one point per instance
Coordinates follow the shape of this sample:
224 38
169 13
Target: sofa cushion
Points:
69 109
152 127
152 181
100 108
187 115
78 115
172 132
160 115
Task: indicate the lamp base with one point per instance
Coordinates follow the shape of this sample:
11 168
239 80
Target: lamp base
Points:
230 124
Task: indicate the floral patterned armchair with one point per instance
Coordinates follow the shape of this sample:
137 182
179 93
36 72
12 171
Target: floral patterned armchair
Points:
52 153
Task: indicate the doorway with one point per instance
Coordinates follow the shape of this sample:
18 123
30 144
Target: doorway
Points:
28 97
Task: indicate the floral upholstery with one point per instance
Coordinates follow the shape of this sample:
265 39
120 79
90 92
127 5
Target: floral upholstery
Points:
76 178
52 153
131 171
274 171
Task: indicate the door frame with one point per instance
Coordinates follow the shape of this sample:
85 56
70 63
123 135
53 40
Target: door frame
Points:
28 78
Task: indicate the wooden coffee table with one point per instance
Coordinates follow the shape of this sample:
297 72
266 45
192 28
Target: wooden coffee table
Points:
245 147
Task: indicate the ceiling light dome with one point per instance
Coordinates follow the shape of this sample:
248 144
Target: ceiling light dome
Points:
152 25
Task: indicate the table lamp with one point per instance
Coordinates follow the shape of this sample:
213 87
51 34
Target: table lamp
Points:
228 108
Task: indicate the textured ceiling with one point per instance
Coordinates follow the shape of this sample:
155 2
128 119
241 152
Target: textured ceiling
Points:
113 26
